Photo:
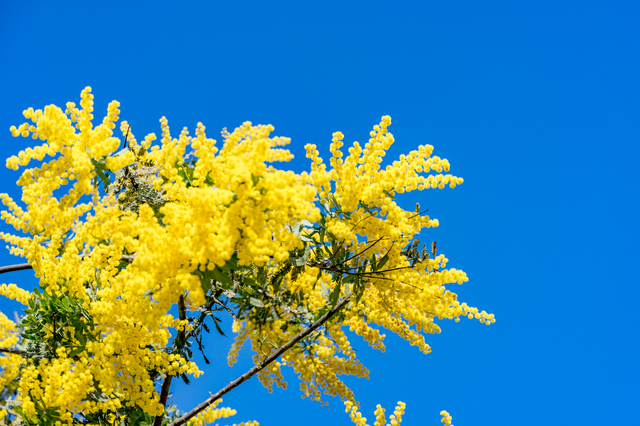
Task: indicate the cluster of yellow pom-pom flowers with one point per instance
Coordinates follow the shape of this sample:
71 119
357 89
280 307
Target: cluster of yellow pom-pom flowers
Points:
232 202
381 420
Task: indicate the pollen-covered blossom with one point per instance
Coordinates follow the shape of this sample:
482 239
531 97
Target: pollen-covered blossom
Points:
60 382
446 418
14 292
394 420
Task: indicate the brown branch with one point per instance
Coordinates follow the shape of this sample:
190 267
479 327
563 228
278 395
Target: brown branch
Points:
166 385
23 266
164 394
12 351
22 353
13 268
246 376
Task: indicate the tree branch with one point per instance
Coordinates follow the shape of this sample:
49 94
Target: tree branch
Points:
12 268
246 376
22 266
164 394
166 385
12 351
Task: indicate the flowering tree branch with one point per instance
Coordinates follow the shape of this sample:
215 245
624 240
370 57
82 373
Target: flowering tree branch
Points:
269 279
246 376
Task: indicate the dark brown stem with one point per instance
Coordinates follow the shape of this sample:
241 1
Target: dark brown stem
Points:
13 268
12 351
166 385
164 394
246 376
23 266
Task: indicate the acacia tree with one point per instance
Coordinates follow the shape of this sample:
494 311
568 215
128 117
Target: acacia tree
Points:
292 259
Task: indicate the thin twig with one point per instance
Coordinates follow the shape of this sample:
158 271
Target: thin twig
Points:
418 214
316 368
367 248
361 220
246 376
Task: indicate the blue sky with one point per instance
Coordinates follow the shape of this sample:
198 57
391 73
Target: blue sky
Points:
534 103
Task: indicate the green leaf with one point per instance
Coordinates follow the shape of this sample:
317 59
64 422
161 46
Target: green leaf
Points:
255 179
359 293
382 261
349 279
102 172
77 351
185 379
205 280
221 277
295 229
298 261
256 302
261 276
335 294
277 278
80 337
317 278
218 327
348 291
334 201
305 238
231 264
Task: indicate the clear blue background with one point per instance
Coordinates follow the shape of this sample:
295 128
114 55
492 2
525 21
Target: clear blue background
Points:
535 103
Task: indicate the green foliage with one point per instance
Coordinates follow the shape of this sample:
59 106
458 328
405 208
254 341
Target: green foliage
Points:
45 416
48 321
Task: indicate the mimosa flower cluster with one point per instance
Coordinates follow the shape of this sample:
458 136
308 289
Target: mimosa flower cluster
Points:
118 236
395 419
